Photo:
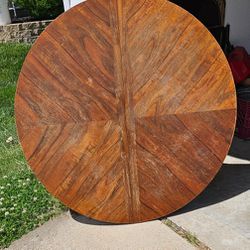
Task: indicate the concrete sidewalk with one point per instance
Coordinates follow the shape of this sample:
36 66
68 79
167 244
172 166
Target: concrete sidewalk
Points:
64 233
219 218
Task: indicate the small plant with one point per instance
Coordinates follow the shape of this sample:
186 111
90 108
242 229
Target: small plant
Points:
191 238
42 9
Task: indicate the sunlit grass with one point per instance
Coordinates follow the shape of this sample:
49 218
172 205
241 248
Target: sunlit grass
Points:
24 202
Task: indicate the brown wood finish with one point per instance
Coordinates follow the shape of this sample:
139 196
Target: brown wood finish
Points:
125 109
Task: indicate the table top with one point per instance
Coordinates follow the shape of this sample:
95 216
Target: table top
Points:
125 110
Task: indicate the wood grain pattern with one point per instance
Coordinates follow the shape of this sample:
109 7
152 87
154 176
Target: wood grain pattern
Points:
125 109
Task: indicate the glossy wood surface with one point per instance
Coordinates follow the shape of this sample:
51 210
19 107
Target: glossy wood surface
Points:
125 109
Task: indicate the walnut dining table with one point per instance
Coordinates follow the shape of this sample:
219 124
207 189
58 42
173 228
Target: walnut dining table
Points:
125 109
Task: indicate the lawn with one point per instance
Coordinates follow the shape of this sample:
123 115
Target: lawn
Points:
24 202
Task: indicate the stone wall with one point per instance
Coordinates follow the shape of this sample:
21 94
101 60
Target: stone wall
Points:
22 32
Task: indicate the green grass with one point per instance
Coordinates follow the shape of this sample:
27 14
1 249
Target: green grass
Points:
24 202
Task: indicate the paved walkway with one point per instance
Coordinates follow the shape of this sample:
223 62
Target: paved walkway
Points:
64 233
220 218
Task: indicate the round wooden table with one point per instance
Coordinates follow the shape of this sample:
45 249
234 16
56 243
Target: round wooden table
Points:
125 109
